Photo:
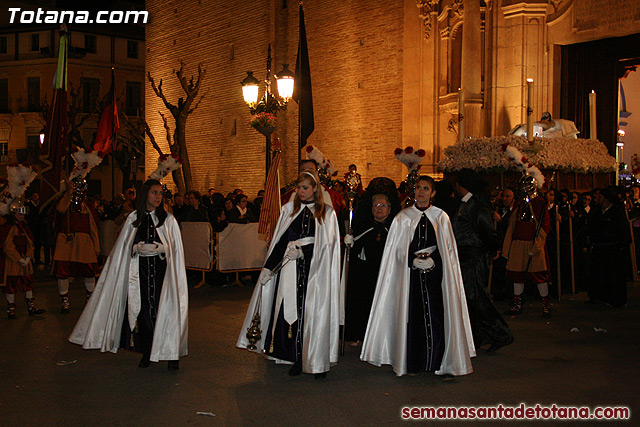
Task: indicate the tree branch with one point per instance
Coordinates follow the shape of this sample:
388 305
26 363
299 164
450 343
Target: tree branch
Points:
152 138
166 127
160 94
189 88
197 104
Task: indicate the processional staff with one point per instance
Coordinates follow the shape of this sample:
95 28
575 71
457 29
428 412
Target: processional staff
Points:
352 181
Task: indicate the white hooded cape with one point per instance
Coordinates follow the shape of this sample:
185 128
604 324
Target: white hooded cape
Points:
320 334
100 324
385 341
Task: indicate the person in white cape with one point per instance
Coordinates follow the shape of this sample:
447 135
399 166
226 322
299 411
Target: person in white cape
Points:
419 319
297 292
141 299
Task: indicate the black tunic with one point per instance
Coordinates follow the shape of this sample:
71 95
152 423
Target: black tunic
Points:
610 238
152 270
477 242
425 328
363 274
287 339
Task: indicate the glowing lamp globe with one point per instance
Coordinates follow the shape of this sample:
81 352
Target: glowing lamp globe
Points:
250 89
285 80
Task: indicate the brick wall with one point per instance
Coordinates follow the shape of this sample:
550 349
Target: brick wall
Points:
356 51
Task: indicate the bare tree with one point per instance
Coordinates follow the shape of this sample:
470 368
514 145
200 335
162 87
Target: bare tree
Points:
131 144
177 142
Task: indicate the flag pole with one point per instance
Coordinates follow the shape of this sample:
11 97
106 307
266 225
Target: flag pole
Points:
298 83
299 136
113 135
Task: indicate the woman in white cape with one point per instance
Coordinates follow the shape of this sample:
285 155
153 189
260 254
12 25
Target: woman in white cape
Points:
419 319
299 285
141 299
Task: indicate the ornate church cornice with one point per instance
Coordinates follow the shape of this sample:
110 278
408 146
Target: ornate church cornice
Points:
447 13
426 9
518 8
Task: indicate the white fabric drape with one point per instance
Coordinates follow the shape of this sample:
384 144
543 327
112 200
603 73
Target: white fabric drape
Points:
100 324
385 341
320 342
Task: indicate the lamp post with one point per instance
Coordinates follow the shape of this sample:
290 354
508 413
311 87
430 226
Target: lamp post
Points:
619 153
269 103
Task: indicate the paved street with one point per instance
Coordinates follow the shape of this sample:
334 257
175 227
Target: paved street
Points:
547 364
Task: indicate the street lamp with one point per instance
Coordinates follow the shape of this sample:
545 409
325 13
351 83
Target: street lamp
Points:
619 152
269 103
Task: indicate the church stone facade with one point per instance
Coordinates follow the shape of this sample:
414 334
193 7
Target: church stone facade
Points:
384 74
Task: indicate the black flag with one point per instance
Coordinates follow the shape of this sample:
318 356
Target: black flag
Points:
302 87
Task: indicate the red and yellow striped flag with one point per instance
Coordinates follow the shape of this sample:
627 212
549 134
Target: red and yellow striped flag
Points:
270 210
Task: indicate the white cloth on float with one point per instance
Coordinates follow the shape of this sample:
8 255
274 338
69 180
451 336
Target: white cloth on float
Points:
385 342
100 324
320 326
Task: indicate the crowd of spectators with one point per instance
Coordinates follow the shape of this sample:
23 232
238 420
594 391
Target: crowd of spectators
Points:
576 219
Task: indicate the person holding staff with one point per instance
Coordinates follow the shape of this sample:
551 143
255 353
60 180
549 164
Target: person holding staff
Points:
298 289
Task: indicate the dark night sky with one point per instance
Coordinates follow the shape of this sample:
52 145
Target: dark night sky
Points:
101 5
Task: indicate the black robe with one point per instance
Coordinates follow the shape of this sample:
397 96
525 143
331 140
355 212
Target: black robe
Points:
477 243
151 275
610 238
288 339
363 274
425 324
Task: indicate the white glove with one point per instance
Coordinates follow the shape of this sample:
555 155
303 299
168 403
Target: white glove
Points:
348 240
148 249
423 264
293 252
24 261
265 276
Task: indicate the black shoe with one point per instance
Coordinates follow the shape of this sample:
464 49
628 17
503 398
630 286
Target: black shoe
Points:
173 365
497 346
144 362
447 377
36 311
320 376
296 369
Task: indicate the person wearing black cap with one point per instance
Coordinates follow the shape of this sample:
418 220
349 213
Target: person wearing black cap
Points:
609 237
477 242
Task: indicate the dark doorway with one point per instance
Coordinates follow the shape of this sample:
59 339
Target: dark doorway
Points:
595 66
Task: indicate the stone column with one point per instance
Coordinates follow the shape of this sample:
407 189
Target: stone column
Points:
520 55
471 76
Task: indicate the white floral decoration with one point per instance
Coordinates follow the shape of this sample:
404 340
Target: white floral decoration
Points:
563 154
85 161
522 163
19 177
166 164
409 157
314 153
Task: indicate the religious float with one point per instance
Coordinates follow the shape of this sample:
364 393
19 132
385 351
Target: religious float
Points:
576 164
